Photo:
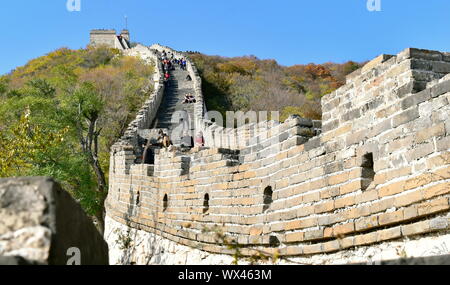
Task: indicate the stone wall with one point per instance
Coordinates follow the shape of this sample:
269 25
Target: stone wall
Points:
40 223
129 142
144 248
110 39
378 171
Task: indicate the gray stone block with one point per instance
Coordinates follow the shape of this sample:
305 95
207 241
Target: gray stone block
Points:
405 117
312 144
330 126
353 114
416 99
441 88
421 64
46 222
443 144
380 128
441 67
356 137
425 54
405 90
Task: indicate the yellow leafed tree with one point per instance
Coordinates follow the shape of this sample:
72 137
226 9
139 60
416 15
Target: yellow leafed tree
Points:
22 142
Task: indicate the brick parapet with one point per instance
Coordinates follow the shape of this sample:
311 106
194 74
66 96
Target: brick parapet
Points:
321 200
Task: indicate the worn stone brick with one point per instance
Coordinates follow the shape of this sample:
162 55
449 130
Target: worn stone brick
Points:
392 189
434 131
405 89
331 246
399 172
345 201
420 151
350 187
366 196
440 89
389 234
418 181
436 190
314 234
312 249
337 179
416 228
341 230
308 223
346 242
405 117
329 193
399 144
294 250
311 197
256 231
365 239
416 99
441 174
439 223
408 199
390 218
434 206
295 237
381 127
355 137
410 212
305 211
324 207
380 178
443 143
366 223
328 232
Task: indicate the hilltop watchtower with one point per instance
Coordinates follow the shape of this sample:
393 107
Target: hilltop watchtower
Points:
111 38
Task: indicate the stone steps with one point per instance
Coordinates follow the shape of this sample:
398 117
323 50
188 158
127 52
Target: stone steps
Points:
173 115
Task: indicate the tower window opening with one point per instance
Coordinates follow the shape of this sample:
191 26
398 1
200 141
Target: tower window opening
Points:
165 202
268 193
368 172
206 204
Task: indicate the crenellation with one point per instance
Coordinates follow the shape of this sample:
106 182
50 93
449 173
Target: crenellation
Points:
373 170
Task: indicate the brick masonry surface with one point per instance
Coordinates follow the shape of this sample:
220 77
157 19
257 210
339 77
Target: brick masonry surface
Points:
376 168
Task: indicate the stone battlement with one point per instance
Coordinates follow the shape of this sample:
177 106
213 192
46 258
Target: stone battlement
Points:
377 168
110 38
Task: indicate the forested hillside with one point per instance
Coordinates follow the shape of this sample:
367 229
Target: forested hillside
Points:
248 83
60 114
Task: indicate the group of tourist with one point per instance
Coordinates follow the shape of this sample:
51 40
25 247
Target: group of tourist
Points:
189 142
169 61
189 98
180 62
167 65
163 141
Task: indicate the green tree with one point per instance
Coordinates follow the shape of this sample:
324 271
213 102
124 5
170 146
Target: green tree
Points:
24 145
85 108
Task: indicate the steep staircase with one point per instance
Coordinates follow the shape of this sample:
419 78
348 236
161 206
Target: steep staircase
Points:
173 116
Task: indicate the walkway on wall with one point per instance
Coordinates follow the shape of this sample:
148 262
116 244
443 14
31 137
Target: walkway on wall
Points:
172 103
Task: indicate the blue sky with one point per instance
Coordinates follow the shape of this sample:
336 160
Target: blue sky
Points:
290 31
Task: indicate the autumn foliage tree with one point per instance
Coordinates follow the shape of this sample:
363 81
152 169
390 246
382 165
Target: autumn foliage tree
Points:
25 144
89 96
248 83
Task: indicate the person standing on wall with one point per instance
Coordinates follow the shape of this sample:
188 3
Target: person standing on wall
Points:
199 139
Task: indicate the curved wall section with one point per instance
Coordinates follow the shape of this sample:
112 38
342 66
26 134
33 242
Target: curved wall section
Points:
378 171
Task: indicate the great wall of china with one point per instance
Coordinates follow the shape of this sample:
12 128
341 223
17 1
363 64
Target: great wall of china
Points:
373 174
